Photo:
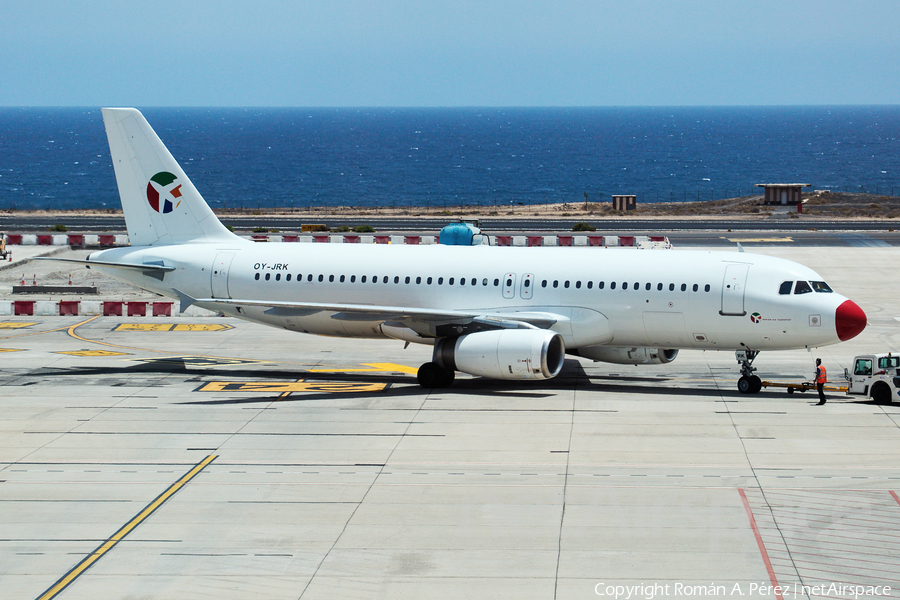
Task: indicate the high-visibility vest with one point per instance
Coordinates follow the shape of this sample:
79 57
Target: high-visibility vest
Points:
820 374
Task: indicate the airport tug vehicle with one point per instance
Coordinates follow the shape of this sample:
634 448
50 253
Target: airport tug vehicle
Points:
875 376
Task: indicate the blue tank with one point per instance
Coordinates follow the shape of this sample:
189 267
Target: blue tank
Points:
461 234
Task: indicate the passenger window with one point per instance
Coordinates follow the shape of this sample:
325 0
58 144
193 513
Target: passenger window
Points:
543 283
624 286
683 287
440 281
706 288
600 285
418 280
331 279
396 279
802 288
385 280
590 284
407 280
527 283
268 275
428 281
484 281
556 283
309 278
566 284
863 367
451 280
785 288
287 277
497 282
321 278
821 287
671 287
257 276
362 279
474 281
577 285
342 279
659 287
696 287
647 287
612 285
462 281
636 285
353 279
278 277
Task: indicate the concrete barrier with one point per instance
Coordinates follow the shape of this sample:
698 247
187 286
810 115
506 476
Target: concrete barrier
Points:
45 308
68 307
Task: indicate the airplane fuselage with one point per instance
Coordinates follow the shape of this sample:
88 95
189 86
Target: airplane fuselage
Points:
601 297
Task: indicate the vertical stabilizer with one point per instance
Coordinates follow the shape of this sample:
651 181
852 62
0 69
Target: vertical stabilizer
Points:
161 204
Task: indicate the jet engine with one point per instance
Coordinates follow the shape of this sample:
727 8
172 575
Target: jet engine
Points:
503 353
628 356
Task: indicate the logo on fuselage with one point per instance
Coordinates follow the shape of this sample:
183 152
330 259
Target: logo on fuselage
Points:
163 192
756 317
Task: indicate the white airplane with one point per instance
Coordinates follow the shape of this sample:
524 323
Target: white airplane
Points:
498 312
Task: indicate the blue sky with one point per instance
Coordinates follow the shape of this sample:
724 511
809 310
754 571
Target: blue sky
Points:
449 53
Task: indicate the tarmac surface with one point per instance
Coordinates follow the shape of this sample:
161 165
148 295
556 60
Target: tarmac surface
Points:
187 457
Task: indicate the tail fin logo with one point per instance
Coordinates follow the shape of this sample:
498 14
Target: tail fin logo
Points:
163 192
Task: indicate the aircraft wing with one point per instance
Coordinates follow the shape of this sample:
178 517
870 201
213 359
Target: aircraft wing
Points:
426 321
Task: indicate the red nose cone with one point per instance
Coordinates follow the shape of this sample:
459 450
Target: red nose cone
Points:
849 320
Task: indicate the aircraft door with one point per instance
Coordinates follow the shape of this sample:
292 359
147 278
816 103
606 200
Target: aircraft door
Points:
527 287
733 290
219 275
509 285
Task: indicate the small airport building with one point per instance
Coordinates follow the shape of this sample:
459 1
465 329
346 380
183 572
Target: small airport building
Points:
783 193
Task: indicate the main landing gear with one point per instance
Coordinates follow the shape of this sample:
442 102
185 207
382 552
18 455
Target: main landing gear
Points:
748 383
433 375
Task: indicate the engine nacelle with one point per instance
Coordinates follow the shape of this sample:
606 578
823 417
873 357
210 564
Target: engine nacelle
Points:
628 356
504 353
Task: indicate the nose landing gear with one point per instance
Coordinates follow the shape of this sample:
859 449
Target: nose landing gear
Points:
748 383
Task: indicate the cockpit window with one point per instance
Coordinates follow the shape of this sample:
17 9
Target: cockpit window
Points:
821 287
785 288
802 288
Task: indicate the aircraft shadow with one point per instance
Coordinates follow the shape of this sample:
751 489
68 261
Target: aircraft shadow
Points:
573 376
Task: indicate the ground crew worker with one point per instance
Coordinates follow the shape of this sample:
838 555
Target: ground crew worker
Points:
821 378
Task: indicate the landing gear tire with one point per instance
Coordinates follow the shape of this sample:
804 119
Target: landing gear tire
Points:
432 375
749 384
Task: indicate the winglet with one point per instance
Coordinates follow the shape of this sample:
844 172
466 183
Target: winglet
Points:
740 248
186 301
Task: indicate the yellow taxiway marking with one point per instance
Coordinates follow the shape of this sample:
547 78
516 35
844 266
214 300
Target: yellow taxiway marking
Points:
374 368
12 325
94 353
68 329
110 543
288 387
761 240
172 327
10 350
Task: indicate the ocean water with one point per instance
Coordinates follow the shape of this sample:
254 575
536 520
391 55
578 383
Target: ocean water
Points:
257 158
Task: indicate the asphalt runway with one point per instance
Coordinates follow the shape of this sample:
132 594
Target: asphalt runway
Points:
191 457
